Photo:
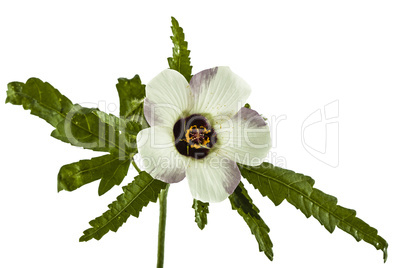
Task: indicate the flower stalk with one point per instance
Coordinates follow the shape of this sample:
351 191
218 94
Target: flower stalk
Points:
162 226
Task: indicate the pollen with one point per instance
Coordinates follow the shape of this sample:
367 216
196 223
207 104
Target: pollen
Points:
194 136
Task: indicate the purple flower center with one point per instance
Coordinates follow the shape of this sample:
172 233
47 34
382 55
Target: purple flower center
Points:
194 136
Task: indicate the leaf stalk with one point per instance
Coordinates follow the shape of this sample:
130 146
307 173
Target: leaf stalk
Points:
135 166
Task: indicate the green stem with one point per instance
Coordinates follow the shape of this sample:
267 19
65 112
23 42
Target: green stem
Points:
162 226
136 167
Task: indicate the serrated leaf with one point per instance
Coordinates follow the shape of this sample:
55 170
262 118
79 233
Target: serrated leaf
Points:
128 128
74 124
279 184
83 128
181 55
201 211
41 98
278 190
243 203
136 195
109 168
131 95
113 175
123 125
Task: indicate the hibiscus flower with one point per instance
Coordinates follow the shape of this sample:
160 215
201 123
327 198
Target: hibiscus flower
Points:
201 131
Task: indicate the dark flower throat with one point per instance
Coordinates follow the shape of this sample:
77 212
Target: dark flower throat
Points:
194 136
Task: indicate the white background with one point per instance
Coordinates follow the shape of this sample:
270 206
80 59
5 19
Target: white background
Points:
298 56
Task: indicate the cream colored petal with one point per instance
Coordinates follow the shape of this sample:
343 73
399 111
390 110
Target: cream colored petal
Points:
245 138
159 156
218 92
213 178
167 96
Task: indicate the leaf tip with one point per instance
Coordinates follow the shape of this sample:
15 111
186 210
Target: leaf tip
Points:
102 190
59 189
200 225
270 255
385 252
174 21
60 185
83 239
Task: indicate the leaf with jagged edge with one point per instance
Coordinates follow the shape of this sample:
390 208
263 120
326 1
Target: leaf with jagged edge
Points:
80 127
201 210
279 184
123 125
91 128
74 124
128 128
136 195
41 98
131 95
243 203
181 55
83 128
109 168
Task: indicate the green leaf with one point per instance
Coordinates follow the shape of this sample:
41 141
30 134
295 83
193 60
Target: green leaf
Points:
279 184
82 127
74 124
136 195
201 211
131 95
109 168
181 55
243 203
41 98
128 129
123 125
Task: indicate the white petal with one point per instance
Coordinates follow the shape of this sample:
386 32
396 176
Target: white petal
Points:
213 178
245 138
219 92
167 96
159 155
